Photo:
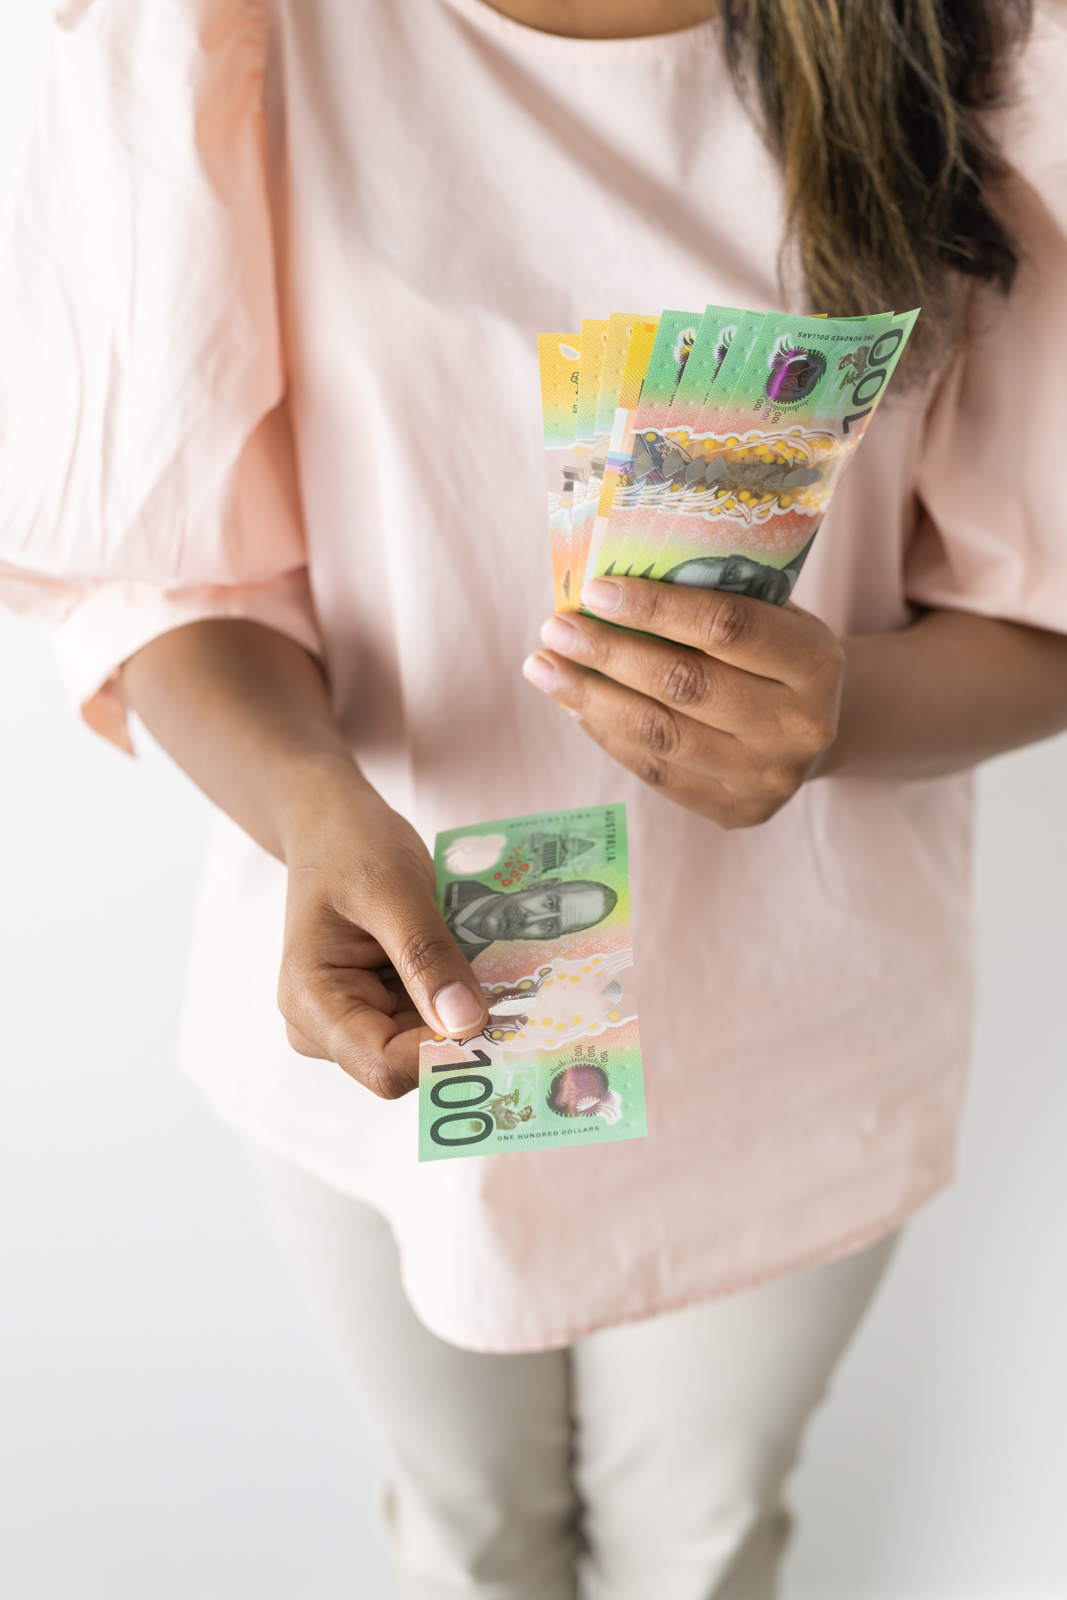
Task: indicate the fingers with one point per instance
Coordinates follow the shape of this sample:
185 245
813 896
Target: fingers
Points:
736 781
740 795
771 641
400 1059
723 702
335 1005
370 968
682 679
397 907
667 738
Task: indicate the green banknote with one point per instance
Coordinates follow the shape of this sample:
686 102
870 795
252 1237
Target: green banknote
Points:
735 485
746 489
673 345
719 327
540 906
645 511
729 437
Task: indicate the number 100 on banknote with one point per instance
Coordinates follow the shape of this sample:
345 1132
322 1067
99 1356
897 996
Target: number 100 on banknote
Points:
540 906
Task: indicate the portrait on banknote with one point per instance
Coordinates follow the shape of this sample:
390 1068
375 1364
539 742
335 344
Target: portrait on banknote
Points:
477 914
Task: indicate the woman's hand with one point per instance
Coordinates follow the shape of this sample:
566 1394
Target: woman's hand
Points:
369 966
368 959
726 710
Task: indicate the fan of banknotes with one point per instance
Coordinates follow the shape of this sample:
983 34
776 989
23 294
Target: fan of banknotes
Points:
704 449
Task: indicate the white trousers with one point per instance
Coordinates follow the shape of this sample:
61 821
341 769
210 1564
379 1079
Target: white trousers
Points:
646 1462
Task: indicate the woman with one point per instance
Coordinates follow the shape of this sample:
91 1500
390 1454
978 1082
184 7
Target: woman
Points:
268 404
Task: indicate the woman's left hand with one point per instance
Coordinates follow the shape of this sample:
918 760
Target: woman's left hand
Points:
725 707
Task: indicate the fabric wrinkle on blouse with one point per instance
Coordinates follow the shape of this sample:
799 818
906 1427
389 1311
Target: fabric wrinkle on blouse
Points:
270 283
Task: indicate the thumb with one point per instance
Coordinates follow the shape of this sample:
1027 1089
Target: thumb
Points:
436 974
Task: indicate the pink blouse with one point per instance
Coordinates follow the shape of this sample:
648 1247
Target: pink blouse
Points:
269 292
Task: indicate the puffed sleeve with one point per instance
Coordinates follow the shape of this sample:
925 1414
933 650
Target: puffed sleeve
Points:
147 470
992 538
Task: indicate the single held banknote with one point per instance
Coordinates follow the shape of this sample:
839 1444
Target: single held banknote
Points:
540 906
704 448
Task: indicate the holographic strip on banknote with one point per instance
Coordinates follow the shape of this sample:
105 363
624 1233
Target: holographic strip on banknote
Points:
540 906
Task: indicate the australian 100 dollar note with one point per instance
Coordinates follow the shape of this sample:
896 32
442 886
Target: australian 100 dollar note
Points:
742 484
540 906
639 482
673 344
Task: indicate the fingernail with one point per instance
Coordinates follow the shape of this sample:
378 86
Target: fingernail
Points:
458 1008
561 635
601 595
540 671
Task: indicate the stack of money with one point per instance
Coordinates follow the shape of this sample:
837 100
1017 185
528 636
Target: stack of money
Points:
704 449
541 907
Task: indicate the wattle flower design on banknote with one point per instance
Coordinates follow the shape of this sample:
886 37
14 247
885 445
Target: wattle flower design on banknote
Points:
547 932
728 436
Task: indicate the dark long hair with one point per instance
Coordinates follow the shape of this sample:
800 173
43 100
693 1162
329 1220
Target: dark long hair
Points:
872 108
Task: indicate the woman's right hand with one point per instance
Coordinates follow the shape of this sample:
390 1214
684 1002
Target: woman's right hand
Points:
369 966
368 960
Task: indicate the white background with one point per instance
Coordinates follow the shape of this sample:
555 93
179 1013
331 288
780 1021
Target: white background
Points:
170 1430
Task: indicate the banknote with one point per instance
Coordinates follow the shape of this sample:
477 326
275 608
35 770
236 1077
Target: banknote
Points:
559 361
735 496
590 443
592 346
641 506
750 486
675 338
599 384
715 336
619 465
634 486
597 441
540 905
724 336
616 350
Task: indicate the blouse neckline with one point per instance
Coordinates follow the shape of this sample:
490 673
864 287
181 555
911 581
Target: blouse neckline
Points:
532 41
